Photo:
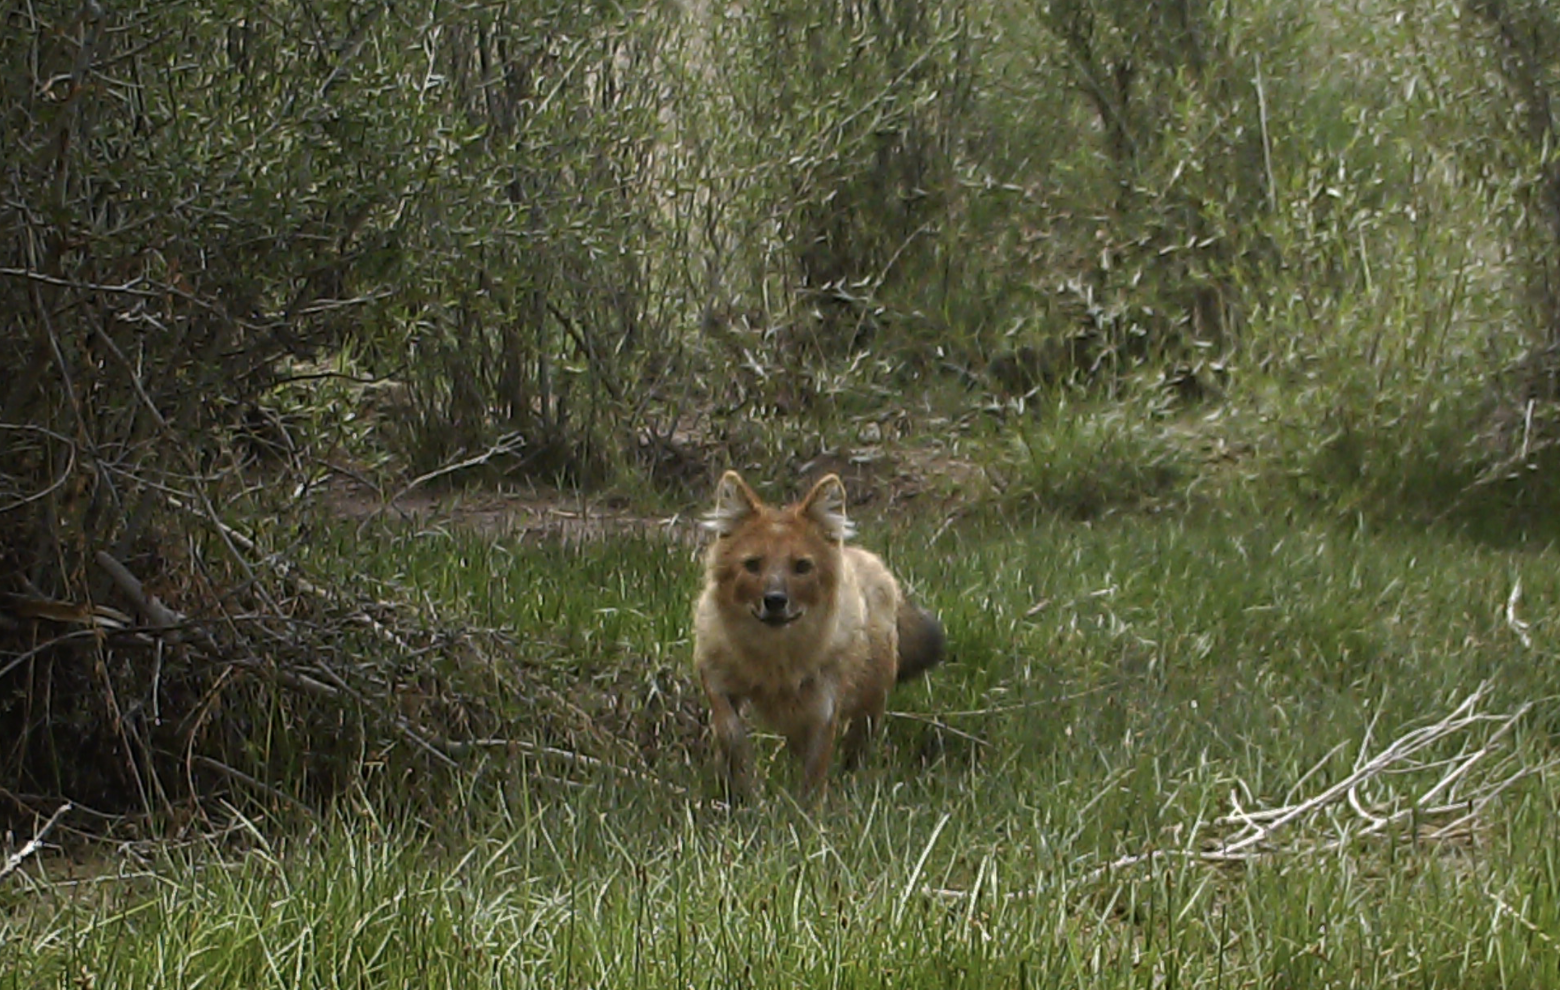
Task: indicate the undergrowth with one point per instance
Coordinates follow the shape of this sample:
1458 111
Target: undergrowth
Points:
1041 811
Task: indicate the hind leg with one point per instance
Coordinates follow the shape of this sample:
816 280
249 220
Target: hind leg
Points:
864 725
857 737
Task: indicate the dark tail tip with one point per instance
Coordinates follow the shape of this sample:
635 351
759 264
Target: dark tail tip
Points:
922 643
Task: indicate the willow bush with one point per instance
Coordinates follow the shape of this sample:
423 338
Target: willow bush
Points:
204 201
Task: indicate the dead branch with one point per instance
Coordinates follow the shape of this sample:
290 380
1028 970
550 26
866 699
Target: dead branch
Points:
1257 832
15 860
155 612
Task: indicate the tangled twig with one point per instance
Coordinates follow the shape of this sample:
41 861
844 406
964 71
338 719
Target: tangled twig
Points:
1447 809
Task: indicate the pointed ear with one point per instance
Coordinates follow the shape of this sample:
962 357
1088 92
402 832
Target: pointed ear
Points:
825 505
734 502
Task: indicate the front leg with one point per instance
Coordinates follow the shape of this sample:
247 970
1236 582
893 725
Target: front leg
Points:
816 752
735 754
812 742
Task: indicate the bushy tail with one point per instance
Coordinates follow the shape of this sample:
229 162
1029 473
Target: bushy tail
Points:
921 641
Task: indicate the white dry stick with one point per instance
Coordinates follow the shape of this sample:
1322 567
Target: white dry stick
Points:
1459 767
1457 772
1376 821
1395 753
1517 625
1136 858
1501 907
1256 826
462 747
1478 805
1527 428
34 844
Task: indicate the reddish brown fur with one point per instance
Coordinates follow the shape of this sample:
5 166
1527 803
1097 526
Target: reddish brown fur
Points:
800 627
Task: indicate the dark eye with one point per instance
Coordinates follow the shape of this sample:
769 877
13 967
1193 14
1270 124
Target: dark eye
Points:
803 566
751 565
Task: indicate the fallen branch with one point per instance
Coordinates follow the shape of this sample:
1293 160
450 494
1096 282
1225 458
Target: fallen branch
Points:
15 860
1256 832
396 722
1393 758
159 615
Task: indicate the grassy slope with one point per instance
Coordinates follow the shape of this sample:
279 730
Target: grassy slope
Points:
1114 685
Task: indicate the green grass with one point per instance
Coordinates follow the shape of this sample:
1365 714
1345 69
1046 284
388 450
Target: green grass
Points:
1114 687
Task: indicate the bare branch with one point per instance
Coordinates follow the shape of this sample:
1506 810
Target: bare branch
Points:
35 843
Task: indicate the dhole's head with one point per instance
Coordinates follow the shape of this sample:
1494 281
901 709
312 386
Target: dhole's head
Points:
776 565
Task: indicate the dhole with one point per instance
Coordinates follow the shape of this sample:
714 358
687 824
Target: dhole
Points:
808 632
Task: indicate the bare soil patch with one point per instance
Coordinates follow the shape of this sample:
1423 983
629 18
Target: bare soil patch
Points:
879 482
536 514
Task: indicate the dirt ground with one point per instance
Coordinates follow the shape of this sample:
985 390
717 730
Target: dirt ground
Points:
533 514
878 483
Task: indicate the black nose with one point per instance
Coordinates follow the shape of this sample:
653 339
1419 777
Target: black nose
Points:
774 602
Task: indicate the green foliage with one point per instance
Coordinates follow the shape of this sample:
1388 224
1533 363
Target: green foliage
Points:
1519 39
847 119
603 239
531 310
